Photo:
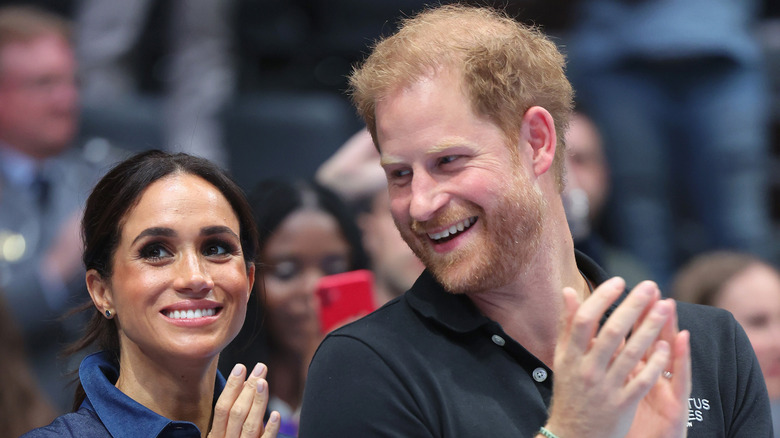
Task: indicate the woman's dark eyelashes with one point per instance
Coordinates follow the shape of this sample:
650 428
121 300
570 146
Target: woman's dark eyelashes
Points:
285 270
154 251
219 247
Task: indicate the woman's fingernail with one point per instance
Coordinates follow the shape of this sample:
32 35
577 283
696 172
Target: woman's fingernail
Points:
258 370
261 386
236 370
274 417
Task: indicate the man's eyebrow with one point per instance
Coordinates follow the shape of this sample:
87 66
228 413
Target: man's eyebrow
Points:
156 232
388 161
442 146
449 142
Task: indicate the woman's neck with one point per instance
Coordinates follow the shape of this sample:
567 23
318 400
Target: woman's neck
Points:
180 392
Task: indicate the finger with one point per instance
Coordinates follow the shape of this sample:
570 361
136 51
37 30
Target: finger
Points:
681 377
253 424
640 385
570 305
229 395
641 341
622 320
272 428
644 314
670 331
243 403
585 322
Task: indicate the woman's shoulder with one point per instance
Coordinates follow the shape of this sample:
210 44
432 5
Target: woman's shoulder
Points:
82 423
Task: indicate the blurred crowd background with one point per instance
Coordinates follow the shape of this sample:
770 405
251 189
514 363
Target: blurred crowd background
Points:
676 150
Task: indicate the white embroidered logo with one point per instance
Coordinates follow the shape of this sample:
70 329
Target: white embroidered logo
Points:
696 410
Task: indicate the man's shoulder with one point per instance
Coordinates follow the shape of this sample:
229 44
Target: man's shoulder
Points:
699 317
396 315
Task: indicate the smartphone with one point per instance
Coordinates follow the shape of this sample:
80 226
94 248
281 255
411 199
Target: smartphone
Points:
345 297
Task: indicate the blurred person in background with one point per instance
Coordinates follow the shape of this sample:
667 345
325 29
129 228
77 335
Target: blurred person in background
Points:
679 93
23 404
197 75
585 195
305 232
355 174
44 180
749 288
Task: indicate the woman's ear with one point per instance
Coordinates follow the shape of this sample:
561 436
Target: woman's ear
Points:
538 131
250 275
100 291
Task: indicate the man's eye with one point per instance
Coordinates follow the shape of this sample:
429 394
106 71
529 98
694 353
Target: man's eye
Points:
448 159
400 173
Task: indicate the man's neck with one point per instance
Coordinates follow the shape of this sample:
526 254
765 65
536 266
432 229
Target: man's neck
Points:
529 308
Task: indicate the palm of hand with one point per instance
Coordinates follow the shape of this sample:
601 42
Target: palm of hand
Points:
661 413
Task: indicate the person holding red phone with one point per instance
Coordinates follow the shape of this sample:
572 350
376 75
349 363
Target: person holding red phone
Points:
306 232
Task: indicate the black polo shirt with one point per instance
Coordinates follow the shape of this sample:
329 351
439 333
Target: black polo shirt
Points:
428 364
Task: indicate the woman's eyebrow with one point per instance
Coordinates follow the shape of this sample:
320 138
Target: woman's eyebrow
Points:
155 231
217 229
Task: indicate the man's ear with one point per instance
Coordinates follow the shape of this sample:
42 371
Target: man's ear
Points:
538 131
100 291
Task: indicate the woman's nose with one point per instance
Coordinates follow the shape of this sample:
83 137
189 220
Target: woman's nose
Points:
192 275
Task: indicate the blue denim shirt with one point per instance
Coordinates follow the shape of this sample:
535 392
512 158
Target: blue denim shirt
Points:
108 412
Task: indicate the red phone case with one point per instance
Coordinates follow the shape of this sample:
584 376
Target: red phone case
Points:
345 297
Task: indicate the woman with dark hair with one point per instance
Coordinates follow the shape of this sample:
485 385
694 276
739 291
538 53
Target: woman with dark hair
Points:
305 232
169 248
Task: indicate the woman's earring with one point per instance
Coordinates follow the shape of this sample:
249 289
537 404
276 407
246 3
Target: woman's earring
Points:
108 314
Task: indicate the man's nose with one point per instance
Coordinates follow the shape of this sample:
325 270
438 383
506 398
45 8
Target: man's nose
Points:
428 197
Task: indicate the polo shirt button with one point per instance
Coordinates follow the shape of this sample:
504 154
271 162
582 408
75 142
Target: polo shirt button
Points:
498 340
539 374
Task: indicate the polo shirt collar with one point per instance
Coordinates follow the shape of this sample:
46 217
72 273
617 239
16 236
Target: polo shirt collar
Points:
456 311
120 414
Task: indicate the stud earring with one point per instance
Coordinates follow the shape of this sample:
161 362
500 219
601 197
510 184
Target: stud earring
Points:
108 313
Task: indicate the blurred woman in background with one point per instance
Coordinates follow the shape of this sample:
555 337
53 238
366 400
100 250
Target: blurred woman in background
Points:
305 232
749 288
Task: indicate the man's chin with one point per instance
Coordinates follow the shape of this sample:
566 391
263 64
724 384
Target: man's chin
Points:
456 279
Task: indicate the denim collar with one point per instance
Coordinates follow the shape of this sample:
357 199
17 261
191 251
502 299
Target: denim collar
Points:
121 415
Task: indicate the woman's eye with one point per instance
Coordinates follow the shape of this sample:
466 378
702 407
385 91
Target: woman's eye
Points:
155 251
214 250
335 265
218 248
285 270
